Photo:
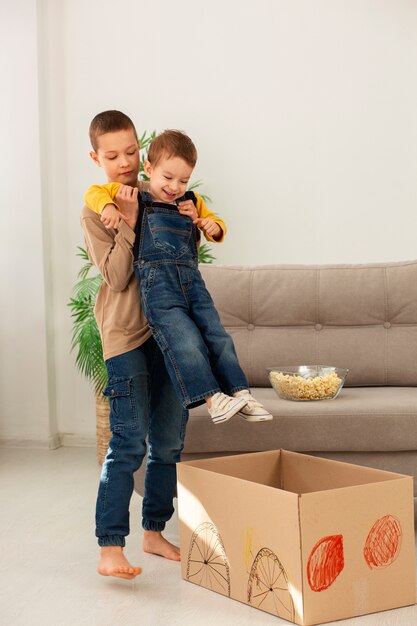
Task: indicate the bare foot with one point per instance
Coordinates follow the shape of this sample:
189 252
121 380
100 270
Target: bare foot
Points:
155 543
114 563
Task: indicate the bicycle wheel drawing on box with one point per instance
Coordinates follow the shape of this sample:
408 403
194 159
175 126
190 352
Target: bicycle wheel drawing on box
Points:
268 586
207 563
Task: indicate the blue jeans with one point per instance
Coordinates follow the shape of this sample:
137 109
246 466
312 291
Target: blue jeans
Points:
199 354
143 403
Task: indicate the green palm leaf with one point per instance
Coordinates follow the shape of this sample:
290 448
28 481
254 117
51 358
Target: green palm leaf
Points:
204 254
85 334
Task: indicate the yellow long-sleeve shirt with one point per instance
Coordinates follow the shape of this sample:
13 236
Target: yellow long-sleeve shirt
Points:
97 196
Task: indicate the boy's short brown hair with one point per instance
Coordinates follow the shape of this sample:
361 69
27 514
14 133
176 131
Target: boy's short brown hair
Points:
172 143
109 122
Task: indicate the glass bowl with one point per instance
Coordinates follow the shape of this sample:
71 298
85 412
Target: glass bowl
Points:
303 383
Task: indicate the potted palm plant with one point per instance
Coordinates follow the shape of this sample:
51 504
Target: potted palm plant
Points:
86 341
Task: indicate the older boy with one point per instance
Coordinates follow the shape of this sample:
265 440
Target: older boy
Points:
143 401
199 354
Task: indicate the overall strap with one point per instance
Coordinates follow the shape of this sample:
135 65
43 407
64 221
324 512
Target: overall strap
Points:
145 197
142 201
190 195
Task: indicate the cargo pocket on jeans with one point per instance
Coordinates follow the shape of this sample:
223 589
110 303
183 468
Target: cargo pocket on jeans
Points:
122 409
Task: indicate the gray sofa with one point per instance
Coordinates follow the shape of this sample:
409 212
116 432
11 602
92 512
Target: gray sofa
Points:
362 317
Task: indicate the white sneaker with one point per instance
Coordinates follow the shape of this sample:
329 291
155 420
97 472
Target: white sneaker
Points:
254 411
223 407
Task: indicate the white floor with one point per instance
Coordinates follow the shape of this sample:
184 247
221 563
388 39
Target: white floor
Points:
49 555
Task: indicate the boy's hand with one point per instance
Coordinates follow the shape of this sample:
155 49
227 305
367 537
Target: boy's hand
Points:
127 200
209 227
110 216
187 207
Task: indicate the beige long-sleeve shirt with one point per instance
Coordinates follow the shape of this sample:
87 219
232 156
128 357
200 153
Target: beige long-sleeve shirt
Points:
120 319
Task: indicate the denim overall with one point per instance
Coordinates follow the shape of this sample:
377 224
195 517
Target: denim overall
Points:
199 354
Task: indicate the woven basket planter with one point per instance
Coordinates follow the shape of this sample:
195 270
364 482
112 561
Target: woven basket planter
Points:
102 427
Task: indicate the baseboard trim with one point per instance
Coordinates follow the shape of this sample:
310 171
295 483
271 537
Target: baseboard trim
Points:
51 443
71 440
55 441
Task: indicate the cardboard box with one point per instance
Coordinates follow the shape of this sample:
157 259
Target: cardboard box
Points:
308 539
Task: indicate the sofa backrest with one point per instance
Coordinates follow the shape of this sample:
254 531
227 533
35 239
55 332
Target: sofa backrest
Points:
363 317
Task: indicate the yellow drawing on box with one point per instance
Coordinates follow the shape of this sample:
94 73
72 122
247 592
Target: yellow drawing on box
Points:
247 540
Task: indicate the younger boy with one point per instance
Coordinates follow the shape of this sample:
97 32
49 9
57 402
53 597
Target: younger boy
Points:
199 354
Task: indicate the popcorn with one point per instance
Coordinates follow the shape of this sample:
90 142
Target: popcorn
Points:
294 387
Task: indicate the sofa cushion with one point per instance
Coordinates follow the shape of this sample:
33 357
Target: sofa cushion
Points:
363 317
361 419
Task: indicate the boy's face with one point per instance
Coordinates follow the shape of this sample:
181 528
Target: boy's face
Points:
118 155
168 178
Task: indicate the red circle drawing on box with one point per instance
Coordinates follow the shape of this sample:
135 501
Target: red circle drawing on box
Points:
325 562
383 542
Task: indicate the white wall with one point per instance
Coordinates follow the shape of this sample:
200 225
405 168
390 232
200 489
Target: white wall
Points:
304 114
27 399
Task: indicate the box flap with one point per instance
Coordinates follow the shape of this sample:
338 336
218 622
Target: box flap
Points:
258 467
303 473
